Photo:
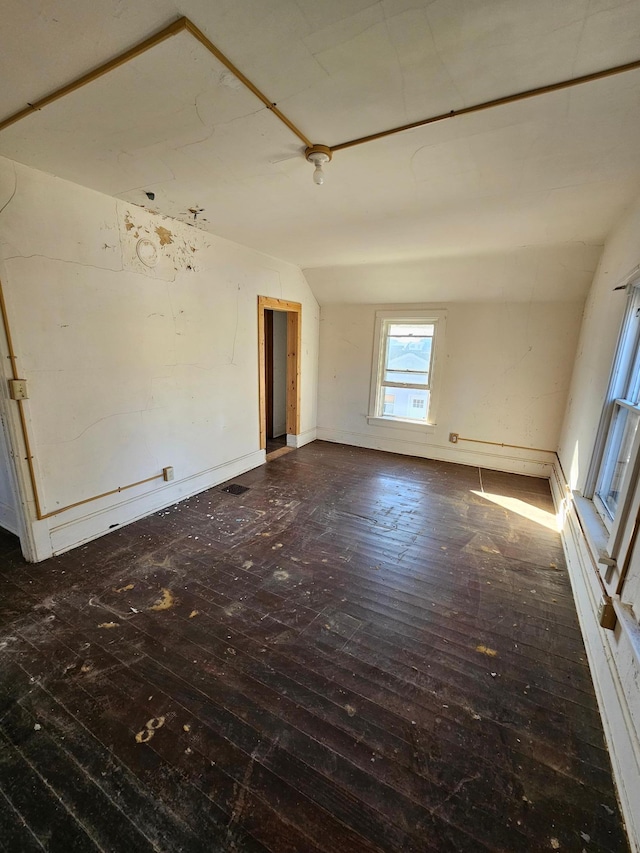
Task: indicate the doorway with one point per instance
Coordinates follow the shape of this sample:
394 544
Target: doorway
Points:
275 342
279 332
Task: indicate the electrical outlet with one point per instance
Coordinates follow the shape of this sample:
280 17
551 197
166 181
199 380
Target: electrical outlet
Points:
167 473
453 437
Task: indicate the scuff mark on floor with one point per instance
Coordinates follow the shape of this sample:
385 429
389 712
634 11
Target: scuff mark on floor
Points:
240 793
241 789
467 780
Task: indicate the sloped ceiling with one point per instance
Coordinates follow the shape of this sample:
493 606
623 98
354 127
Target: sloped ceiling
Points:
552 171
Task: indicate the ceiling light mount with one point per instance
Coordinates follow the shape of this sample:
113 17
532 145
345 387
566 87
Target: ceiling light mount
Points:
319 155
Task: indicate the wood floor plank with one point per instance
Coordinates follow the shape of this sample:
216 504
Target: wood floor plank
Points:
313 764
116 716
362 652
15 834
100 817
161 825
122 692
54 826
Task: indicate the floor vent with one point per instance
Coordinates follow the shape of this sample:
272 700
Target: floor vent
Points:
236 489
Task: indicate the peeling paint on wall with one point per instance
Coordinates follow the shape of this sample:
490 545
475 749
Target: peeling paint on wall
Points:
176 245
164 235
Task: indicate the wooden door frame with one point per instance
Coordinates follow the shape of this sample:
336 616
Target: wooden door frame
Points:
294 349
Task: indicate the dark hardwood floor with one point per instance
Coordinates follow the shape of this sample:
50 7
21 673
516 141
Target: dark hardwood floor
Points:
276 443
362 652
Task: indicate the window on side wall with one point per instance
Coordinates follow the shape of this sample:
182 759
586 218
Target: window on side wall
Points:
406 368
616 459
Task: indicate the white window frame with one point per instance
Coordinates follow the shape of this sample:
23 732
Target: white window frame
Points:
433 316
625 364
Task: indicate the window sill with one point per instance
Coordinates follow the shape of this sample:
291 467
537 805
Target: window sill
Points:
397 423
596 533
597 537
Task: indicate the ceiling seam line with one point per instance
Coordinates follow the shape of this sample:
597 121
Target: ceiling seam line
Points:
496 102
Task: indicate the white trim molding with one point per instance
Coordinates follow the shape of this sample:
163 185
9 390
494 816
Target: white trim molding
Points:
531 463
605 649
302 438
69 534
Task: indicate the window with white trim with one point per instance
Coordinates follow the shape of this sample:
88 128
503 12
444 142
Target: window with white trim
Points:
405 367
616 459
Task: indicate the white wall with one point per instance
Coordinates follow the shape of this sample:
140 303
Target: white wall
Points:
527 274
131 369
279 373
505 376
614 656
8 509
602 317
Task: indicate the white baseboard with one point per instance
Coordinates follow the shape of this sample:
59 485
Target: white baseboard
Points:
66 535
603 653
533 464
302 438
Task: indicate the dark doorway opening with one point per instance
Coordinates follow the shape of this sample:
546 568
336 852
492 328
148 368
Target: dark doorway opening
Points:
275 337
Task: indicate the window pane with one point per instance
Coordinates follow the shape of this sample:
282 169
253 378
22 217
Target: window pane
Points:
632 390
409 353
403 367
406 330
389 400
616 457
406 403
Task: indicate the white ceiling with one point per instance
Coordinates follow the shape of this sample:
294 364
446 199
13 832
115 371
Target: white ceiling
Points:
553 170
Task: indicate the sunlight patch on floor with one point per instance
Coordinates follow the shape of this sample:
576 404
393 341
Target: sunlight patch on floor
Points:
533 513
